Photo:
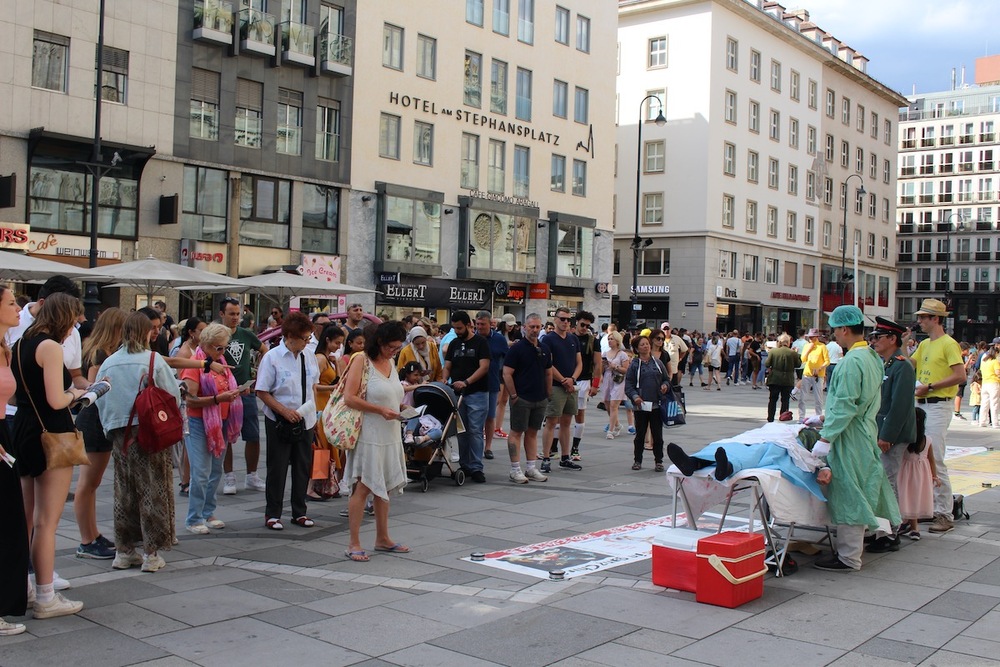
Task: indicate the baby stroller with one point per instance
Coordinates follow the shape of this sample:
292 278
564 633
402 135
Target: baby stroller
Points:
426 461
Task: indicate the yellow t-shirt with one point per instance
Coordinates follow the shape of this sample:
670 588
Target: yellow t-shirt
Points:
815 359
934 361
989 368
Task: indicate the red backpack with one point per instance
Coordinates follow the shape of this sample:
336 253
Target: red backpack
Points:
160 423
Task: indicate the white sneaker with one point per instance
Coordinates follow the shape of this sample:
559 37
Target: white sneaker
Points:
253 481
10 629
152 562
534 475
124 560
215 523
58 606
229 485
197 529
610 435
58 583
518 477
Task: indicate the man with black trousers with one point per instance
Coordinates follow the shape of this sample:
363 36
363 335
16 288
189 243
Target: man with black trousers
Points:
467 365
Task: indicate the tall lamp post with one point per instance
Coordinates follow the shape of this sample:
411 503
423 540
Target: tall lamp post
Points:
638 243
947 258
843 241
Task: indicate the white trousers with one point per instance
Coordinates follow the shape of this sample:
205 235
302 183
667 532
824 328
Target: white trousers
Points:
989 411
811 387
850 544
936 428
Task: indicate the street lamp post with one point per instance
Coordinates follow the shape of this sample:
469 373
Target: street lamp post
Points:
96 167
843 241
947 258
638 243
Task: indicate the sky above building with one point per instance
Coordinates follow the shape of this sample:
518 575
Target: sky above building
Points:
912 43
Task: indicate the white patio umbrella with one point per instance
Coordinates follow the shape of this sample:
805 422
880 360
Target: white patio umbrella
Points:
24 268
151 275
281 286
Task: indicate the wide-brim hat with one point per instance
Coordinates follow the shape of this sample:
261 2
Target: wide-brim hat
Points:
509 319
933 307
813 333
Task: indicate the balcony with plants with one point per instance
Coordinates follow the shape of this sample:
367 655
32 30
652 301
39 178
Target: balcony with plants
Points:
213 21
298 43
257 32
336 53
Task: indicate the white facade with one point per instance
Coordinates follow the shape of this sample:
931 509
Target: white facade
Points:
745 240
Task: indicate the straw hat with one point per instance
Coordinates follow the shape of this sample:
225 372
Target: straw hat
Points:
933 307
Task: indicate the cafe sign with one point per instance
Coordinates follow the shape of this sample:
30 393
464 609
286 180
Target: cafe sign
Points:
14 236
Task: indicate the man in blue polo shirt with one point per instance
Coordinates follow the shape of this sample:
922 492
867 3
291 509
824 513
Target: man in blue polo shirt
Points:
527 374
567 364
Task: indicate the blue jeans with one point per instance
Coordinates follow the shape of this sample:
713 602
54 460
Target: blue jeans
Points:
206 471
471 443
734 368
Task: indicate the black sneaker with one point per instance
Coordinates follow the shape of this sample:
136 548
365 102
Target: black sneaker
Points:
546 466
95 550
566 464
884 544
477 476
488 455
832 564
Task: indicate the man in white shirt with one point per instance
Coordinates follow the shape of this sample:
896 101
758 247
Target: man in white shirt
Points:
713 357
836 353
733 348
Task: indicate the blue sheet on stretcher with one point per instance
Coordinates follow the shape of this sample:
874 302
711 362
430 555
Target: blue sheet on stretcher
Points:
769 455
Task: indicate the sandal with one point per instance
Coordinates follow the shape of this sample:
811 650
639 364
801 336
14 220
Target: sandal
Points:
185 489
636 466
394 549
303 521
659 467
273 524
357 556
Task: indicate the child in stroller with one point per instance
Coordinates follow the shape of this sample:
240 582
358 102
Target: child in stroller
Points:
427 437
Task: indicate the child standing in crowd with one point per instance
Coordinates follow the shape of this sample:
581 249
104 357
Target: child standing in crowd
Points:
917 479
976 395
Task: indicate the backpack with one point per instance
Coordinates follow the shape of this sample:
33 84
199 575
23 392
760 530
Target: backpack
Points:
160 423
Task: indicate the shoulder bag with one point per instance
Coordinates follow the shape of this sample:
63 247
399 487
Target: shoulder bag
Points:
341 424
62 450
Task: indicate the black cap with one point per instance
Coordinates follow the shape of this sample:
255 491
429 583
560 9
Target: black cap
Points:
883 325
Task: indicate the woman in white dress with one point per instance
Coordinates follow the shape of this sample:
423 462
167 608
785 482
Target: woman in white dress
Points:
618 361
377 464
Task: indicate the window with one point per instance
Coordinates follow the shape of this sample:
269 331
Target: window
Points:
751 222
792 226
873 166
827 233
859 160
728 202
730 107
732 54
872 205
831 103
470 161
392 46
580 178
755 66
727 264
289 139
845 154
582 34
501 17
562 25
750 268
793 132
871 245
813 94
793 85
657 104
581 105
772 222
559 101
412 230
811 141
522 171
845 111
388 136
265 208
498 87
770 271
886 167
204 105
523 102
652 207
885 209
655 262
776 76
616 262
828 191
473 80
811 187
114 78
874 126
754 116
575 251
558 173
496 166
829 148
861 118
657 52
772 173
887 133
774 131
248 113
474 12
423 143
793 180
753 166
526 21
810 229
655 156
426 57
205 204
729 159
49 61
791 274
328 130
320 219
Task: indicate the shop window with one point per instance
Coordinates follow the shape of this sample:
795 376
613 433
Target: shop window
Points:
412 230
60 195
502 242
205 204
264 211
320 219
574 251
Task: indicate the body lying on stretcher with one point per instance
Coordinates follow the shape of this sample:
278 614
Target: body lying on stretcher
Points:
787 448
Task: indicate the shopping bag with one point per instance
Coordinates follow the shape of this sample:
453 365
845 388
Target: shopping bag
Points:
671 410
320 463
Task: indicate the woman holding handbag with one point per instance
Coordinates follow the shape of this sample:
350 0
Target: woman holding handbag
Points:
646 381
330 341
43 406
144 499
376 465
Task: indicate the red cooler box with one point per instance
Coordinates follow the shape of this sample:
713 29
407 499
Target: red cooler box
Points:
730 568
675 558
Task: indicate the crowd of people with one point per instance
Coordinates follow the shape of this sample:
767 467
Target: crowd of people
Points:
544 373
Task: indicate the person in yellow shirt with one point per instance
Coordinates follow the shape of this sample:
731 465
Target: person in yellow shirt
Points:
815 359
939 367
989 414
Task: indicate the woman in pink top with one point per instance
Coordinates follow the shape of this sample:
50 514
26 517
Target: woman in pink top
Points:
13 530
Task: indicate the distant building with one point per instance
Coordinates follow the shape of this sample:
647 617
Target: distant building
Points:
948 247
772 125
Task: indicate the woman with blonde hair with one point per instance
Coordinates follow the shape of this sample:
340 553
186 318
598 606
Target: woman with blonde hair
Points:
98 346
617 364
43 402
143 502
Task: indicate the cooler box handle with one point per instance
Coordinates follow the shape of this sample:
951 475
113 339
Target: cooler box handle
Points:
720 567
